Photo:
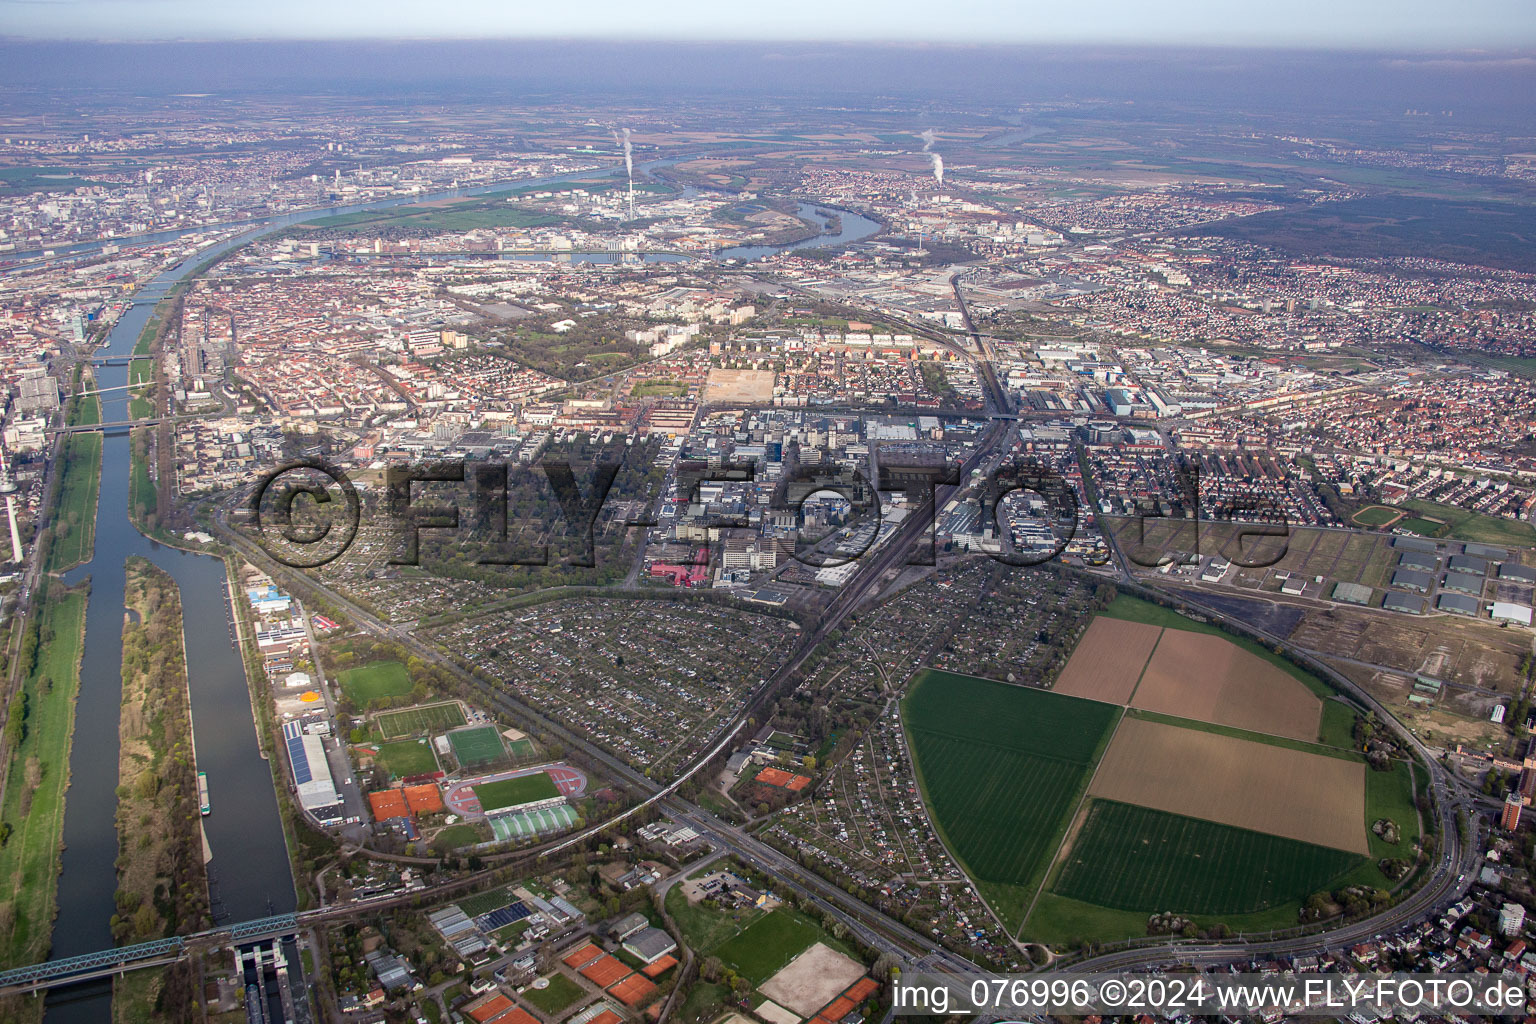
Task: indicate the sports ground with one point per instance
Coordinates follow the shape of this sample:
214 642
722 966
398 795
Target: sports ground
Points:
421 720
477 746
406 758
374 681
462 797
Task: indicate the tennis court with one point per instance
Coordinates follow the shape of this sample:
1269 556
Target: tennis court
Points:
604 971
633 990
582 955
421 719
477 746
388 803
423 799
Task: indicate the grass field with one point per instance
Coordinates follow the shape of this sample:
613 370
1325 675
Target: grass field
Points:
1135 858
1376 515
1002 769
1474 526
1068 923
514 792
463 834
74 532
562 992
704 926
771 942
1391 795
1338 724
404 758
419 720
29 859
376 680
478 746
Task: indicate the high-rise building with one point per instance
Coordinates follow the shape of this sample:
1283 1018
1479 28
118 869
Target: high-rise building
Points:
1511 919
1510 820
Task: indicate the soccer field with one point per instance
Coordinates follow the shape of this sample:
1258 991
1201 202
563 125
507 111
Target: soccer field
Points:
368 683
524 789
1002 768
1135 858
477 747
418 720
405 758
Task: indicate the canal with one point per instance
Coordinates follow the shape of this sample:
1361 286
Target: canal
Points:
249 872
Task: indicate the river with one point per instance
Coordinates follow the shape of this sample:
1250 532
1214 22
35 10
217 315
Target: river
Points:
249 874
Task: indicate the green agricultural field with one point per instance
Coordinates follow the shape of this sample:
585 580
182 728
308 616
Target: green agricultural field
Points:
39 730
419 720
74 523
405 758
771 942
375 681
514 792
1002 769
1474 526
1135 858
562 992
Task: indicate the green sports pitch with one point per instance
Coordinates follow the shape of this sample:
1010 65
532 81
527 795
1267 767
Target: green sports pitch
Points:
419 720
405 758
1135 858
477 747
1003 768
374 681
524 789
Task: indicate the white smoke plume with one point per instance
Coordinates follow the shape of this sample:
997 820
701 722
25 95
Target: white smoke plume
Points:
938 161
629 152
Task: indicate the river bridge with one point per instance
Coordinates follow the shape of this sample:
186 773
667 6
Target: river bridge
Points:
107 962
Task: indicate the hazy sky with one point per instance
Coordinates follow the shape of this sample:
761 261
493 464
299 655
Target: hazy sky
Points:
1399 24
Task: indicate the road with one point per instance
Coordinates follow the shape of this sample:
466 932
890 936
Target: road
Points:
1449 878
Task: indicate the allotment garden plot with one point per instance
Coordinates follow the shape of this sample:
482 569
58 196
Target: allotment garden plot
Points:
649 680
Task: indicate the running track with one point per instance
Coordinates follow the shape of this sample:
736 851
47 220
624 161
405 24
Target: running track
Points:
460 796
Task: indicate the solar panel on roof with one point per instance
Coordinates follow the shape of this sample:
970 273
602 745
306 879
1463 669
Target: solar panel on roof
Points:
299 760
